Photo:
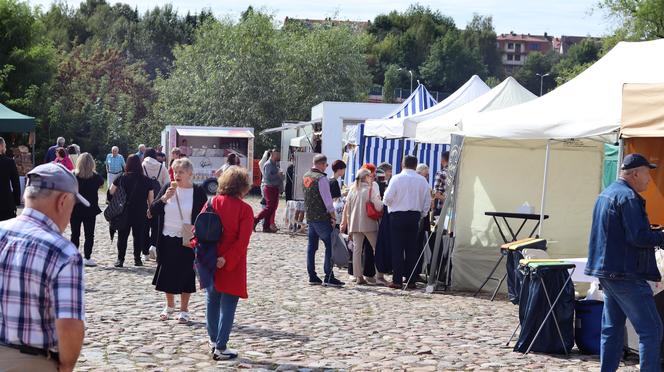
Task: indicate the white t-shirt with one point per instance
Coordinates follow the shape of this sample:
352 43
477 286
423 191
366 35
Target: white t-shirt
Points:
172 221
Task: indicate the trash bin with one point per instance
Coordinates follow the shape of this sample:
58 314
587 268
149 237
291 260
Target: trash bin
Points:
588 325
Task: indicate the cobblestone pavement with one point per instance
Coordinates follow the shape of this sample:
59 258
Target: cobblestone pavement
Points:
288 325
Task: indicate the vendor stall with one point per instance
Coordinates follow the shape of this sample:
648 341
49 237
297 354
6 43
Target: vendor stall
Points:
209 147
19 134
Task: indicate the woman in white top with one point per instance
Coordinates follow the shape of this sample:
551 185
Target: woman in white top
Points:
176 207
358 223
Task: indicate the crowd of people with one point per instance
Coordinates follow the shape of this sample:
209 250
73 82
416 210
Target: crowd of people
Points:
160 204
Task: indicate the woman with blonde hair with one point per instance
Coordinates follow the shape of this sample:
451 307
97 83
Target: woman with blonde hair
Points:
360 226
230 278
89 183
175 209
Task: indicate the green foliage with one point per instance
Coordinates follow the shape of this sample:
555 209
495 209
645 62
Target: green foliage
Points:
579 57
538 63
638 19
249 74
391 80
451 64
480 36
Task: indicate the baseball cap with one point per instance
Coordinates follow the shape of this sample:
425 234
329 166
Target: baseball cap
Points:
52 176
632 161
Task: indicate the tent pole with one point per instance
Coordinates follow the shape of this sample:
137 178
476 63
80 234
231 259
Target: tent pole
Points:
546 174
621 153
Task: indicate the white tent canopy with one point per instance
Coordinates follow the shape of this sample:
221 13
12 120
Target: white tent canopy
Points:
404 127
588 105
506 94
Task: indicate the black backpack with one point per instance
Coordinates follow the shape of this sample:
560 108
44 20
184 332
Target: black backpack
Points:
208 227
155 186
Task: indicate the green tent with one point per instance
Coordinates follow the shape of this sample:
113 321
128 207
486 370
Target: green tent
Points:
610 165
13 122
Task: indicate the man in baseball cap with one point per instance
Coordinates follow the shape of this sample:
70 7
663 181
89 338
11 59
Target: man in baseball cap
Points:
41 286
622 256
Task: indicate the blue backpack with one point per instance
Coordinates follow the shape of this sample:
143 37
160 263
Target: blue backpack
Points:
208 227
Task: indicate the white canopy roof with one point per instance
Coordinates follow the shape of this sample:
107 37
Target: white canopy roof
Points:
506 94
404 126
587 106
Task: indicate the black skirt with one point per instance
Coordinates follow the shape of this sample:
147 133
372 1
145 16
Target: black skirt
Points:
175 267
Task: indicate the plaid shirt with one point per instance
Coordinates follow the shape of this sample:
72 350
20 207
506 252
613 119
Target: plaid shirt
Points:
41 280
439 184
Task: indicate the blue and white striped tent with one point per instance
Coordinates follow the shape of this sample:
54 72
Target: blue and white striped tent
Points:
377 150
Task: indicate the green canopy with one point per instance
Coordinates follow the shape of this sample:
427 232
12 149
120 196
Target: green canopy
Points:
610 165
12 121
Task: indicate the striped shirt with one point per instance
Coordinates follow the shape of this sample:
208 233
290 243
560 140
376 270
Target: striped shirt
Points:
41 280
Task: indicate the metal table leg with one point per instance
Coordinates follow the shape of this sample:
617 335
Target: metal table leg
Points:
551 308
495 291
490 276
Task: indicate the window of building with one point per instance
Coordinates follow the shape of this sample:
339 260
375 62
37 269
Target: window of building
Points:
510 45
517 57
517 47
510 57
534 46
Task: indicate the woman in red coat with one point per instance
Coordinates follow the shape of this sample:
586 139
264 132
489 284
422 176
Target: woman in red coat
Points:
230 279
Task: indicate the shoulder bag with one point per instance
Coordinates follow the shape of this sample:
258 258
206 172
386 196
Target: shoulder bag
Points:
187 228
372 212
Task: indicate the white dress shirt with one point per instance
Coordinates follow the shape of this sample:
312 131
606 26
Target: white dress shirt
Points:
408 191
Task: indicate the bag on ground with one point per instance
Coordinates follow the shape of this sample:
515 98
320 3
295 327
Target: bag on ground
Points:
339 250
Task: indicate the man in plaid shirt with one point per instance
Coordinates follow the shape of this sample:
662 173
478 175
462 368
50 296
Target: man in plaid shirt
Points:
41 278
439 184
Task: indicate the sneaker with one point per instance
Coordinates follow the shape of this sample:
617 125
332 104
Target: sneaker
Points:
138 262
152 252
89 262
395 286
145 257
382 281
333 282
315 281
226 354
411 286
212 346
118 263
371 280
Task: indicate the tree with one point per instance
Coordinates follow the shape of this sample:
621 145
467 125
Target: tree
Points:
390 84
451 64
480 36
579 57
405 39
639 19
538 63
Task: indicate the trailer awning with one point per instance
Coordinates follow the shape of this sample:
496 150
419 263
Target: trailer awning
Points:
215 132
286 126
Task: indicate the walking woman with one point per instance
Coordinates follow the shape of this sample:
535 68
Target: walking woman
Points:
232 160
89 183
358 223
175 209
61 157
138 189
230 279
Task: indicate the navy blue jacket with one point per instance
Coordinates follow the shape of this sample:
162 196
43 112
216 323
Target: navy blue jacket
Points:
622 246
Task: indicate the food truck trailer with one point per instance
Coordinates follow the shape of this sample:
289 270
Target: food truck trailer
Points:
209 147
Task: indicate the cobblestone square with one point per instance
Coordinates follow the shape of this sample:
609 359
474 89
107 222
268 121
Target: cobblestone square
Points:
288 325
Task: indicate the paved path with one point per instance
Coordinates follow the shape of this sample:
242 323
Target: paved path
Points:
289 325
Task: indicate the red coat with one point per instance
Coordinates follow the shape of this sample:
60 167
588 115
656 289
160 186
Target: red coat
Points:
237 218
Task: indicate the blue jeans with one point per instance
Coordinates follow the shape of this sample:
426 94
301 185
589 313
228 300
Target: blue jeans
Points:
219 315
631 299
319 230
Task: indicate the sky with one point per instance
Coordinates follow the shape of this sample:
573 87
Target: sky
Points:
561 17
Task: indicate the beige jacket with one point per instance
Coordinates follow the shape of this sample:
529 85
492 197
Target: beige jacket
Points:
355 212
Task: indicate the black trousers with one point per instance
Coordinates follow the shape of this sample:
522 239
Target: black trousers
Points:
150 234
404 228
137 227
88 223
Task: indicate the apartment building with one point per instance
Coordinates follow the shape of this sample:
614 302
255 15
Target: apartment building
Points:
514 48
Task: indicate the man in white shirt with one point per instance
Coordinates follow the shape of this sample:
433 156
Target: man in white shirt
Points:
408 198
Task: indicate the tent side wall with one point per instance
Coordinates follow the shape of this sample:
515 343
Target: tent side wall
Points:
653 149
500 175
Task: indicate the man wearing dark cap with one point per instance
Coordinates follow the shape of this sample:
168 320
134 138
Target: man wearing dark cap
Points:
622 255
41 286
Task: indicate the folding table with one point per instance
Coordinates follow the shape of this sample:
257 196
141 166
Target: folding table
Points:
536 270
506 216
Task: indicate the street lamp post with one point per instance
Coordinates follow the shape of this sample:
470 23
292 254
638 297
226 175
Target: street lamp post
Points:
542 80
411 78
